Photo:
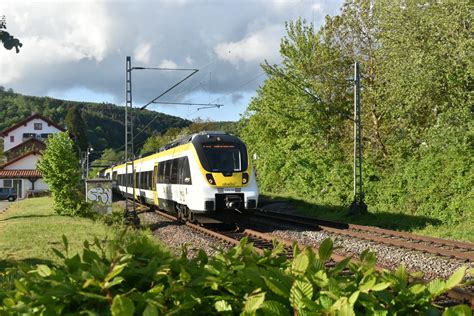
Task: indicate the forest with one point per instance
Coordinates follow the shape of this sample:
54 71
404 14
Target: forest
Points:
416 60
104 121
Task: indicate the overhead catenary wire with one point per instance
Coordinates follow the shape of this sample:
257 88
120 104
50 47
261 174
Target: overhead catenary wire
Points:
169 89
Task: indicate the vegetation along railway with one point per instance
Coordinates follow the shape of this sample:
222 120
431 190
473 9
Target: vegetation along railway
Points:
263 241
208 177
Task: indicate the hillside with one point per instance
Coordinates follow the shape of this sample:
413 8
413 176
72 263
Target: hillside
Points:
105 121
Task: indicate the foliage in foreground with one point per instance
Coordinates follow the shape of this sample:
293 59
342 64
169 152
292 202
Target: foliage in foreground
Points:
60 168
133 275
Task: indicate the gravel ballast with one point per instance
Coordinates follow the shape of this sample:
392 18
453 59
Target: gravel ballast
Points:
176 236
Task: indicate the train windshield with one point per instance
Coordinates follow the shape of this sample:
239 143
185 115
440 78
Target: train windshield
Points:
223 157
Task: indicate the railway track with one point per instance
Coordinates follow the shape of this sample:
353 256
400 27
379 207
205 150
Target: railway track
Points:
442 247
262 241
452 249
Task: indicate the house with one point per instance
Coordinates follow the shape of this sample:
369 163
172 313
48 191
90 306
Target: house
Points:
22 145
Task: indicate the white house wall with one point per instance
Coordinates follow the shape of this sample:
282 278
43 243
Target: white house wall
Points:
40 185
28 162
29 128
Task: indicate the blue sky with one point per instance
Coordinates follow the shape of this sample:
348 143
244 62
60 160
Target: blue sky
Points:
76 49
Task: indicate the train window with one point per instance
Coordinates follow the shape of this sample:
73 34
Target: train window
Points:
167 171
146 181
174 171
154 177
223 157
114 175
184 172
161 172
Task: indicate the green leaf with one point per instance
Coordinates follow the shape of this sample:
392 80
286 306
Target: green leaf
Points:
117 269
417 288
353 298
325 249
20 286
222 306
150 310
343 307
455 278
325 301
93 295
341 265
65 243
276 286
73 263
381 286
368 284
436 287
274 308
9 302
402 275
459 310
114 282
300 263
299 290
368 258
122 306
254 302
43 270
320 278
58 253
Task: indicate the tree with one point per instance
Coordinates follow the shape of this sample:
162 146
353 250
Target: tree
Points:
77 128
60 169
416 68
8 40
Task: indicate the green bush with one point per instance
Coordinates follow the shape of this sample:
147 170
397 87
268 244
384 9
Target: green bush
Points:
134 275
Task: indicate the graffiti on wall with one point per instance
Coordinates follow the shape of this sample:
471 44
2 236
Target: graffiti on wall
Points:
99 192
99 195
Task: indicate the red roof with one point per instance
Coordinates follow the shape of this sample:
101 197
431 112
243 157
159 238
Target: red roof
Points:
20 173
34 152
32 117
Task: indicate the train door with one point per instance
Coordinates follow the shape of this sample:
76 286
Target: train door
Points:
153 185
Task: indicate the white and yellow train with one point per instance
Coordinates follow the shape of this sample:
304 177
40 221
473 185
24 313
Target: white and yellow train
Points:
207 174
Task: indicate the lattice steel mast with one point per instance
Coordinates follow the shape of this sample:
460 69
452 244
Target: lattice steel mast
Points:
358 206
129 214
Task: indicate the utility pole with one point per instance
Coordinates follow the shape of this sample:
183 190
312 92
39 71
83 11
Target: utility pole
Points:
129 214
358 206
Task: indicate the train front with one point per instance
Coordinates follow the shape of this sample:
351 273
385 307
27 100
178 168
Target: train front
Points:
229 187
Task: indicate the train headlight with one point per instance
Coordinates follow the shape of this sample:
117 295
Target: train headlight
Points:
245 178
210 179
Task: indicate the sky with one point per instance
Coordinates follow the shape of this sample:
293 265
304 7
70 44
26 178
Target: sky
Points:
76 50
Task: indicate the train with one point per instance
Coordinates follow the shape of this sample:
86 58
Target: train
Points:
203 175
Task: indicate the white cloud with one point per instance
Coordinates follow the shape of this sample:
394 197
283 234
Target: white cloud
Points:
254 47
189 60
317 7
166 63
71 44
142 53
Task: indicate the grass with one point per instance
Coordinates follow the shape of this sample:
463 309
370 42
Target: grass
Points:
416 224
30 228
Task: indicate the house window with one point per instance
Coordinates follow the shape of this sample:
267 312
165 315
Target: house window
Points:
12 139
38 126
7 183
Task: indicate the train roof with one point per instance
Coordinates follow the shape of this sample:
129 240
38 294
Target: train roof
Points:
189 138
182 141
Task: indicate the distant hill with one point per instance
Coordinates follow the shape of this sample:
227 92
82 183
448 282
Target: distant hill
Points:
105 121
